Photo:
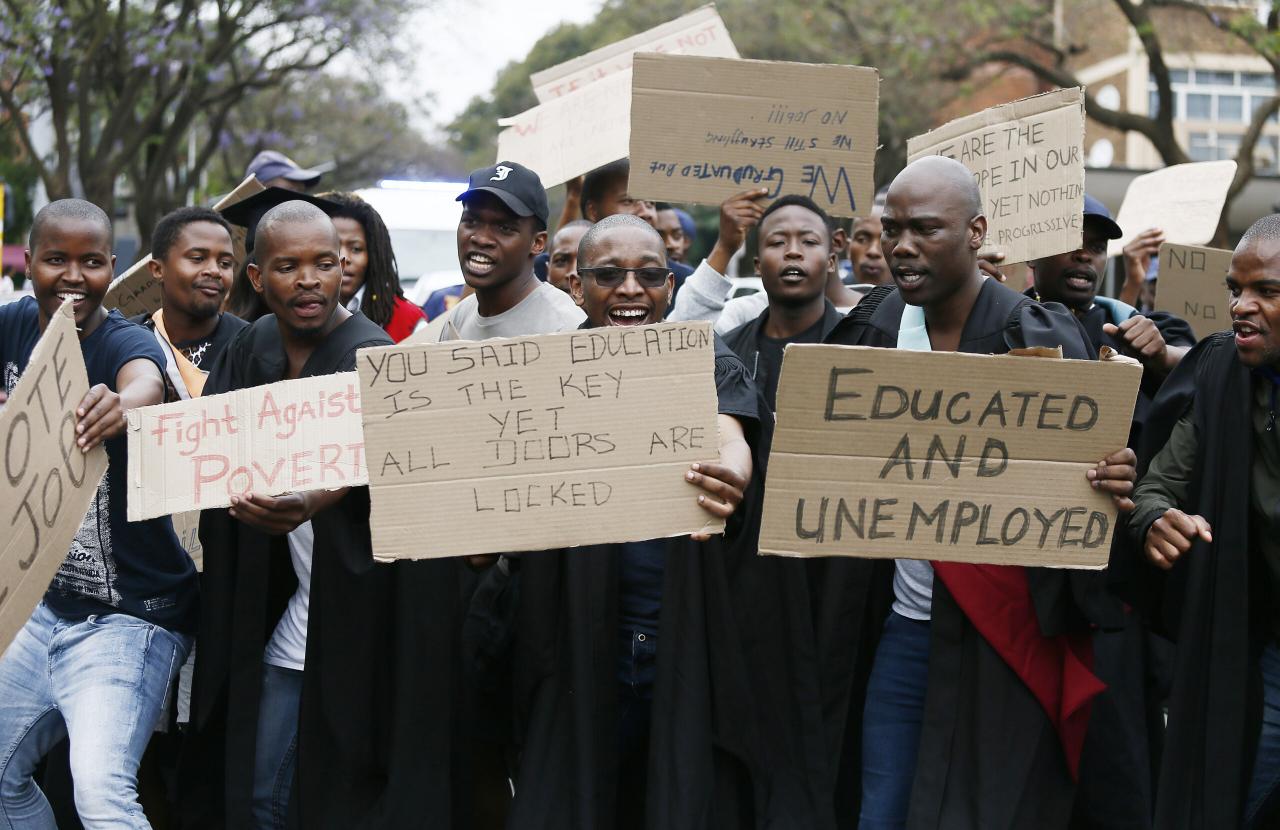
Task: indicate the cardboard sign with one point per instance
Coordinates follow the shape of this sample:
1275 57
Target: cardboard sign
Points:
700 32
1192 285
187 527
573 134
49 483
703 129
1028 158
286 437
532 443
884 453
136 291
1185 201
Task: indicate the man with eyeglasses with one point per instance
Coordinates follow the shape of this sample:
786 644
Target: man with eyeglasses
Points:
587 666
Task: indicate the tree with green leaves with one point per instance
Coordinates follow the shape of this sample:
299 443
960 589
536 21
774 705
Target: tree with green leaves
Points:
141 93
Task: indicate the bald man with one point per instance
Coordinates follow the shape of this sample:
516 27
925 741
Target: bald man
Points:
607 737
952 734
1203 555
297 621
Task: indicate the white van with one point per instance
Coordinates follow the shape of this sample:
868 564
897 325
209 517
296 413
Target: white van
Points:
422 218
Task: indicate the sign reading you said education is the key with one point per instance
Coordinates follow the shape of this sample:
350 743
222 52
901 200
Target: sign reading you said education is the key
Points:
542 442
883 453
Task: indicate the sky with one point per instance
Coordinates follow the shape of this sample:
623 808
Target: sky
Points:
461 45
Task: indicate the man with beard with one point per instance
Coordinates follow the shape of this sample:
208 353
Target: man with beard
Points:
994 739
1117 767
193 260
605 641
1204 555
299 623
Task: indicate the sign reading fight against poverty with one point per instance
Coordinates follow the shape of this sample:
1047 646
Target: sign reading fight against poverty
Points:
531 443
286 437
703 129
584 118
1028 158
700 32
1192 285
1185 201
49 483
136 291
884 453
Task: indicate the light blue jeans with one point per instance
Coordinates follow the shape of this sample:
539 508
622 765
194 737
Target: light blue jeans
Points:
103 682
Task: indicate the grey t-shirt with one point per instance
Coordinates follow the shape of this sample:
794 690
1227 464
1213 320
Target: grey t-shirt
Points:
547 309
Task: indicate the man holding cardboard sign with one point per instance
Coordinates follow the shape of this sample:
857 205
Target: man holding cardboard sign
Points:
971 621
1203 555
95 661
299 566
591 678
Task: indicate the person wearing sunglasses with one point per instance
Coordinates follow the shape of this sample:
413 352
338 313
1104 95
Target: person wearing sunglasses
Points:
588 671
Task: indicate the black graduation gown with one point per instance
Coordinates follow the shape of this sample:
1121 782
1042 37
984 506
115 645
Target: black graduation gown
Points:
989 756
823 605
375 738
735 741
1207 603
1126 727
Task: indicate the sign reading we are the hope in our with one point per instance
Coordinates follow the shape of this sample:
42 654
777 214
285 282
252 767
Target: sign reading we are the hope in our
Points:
1028 159
703 129
285 437
532 443
884 453
49 482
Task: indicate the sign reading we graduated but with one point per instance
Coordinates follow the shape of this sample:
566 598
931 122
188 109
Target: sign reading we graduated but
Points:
532 443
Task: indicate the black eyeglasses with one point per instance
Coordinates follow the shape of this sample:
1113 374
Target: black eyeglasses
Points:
608 276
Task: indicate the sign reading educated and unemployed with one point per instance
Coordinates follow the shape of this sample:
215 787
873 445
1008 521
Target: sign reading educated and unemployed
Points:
885 453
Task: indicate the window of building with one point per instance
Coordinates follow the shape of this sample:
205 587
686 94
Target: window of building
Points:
1215 106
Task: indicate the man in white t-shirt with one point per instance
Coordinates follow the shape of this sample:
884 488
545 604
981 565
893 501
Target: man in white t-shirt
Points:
502 230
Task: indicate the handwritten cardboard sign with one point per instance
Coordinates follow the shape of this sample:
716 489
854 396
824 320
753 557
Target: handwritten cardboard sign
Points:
286 437
573 134
49 483
1028 158
700 32
703 129
883 453
531 443
137 291
1185 201
1192 286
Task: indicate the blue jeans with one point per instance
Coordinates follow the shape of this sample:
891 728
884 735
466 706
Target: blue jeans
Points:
104 683
277 753
1266 766
891 722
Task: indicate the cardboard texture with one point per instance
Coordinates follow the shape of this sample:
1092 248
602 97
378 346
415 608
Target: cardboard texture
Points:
700 32
573 134
703 129
136 291
49 483
187 526
532 443
1185 201
1193 286
882 453
286 437
1028 158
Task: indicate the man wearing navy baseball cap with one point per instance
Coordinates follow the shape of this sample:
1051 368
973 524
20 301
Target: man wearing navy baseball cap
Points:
502 230
1115 785
275 169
